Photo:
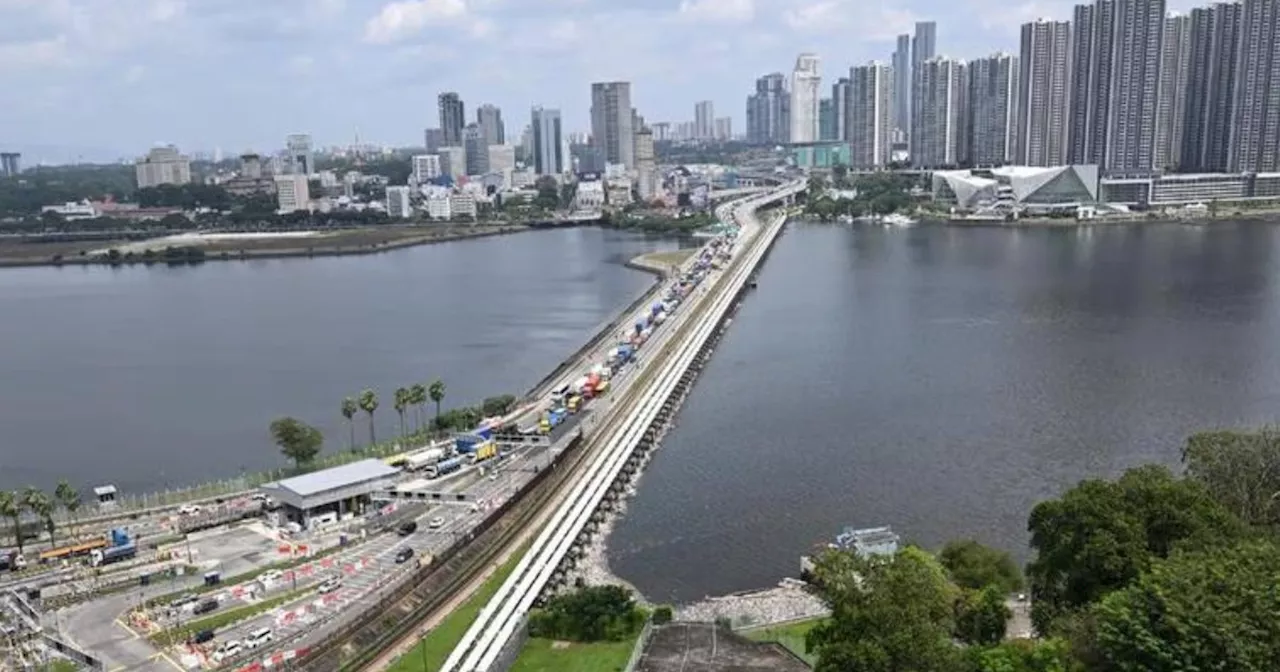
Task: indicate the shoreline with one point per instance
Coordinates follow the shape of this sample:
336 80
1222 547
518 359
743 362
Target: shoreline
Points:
1259 217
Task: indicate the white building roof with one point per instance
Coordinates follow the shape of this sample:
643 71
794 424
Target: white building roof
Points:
337 478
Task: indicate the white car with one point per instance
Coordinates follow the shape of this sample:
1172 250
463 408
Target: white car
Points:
436 523
269 577
227 650
188 509
330 584
259 637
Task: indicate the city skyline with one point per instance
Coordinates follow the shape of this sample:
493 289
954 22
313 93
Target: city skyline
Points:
341 68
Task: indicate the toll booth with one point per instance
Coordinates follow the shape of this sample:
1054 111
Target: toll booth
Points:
106 495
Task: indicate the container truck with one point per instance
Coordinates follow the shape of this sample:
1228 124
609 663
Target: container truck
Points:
465 443
485 451
580 385
74 550
444 467
106 556
485 432
424 459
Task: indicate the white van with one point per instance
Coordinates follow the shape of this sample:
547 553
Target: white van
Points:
227 650
259 637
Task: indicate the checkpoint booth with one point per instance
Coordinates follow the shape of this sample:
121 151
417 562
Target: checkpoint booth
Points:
328 496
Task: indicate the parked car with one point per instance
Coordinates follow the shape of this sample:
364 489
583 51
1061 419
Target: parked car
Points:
403 555
180 602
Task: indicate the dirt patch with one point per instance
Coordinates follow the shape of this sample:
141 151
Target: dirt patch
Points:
560 644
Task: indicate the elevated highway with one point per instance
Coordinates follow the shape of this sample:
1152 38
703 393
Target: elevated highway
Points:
488 643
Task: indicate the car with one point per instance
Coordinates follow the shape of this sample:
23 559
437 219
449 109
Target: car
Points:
259 637
270 577
180 602
331 584
202 637
205 607
189 509
407 528
227 650
403 555
436 523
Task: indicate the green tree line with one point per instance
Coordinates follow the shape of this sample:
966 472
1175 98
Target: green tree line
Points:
877 194
16 505
1149 571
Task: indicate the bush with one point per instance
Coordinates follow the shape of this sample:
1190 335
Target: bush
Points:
592 614
662 614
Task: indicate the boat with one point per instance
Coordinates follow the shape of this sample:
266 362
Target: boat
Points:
897 220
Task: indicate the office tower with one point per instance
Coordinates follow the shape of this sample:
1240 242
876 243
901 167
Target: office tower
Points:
476 146
805 80
826 119
769 111
1093 29
162 165
1215 35
10 164
489 118
292 192
426 167
869 124
1171 105
993 105
1135 85
299 161
548 142
453 118
502 158
398 203
938 139
453 161
611 119
1255 109
433 139
703 120
724 128
902 84
840 101
646 165
1042 103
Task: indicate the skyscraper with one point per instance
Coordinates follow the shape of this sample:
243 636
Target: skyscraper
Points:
299 160
10 164
1043 84
840 101
769 111
938 139
489 118
704 120
1255 109
1215 35
1171 105
993 102
869 126
1093 28
476 146
611 117
826 119
805 81
902 84
646 165
433 139
923 48
1135 85
453 118
548 140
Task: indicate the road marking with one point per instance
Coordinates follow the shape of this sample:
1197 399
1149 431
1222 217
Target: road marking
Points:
128 629
169 660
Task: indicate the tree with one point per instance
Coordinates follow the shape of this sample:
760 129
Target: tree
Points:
589 614
11 507
298 441
401 402
981 616
887 614
418 397
1239 469
436 392
1024 655
69 499
369 403
349 408
41 506
975 566
1211 609
1100 536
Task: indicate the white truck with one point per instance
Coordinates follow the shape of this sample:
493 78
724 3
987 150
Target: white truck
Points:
424 459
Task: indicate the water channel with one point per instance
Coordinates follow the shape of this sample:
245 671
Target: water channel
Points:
943 380
151 377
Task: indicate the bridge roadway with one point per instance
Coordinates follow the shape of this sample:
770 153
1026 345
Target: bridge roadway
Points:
491 632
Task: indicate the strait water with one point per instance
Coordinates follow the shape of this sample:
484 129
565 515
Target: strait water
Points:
150 377
942 381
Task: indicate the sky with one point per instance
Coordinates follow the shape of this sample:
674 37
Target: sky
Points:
106 79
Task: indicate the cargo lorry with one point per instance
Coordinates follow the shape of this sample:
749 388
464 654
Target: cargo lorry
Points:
444 467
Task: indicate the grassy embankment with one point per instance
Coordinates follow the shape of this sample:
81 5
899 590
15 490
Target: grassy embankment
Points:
545 655
790 635
223 619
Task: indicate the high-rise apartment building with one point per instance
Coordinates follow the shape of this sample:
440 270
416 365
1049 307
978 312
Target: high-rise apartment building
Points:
398 203
453 161
1042 95
163 165
433 139
939 138
840 101
869 124
548 142
453 118
924 46
298 159
704 120
1171 105
489 118
611 122
10 164
1135 86
1255 109
476 146
1206 138
724 128
902 84
1093 30
501 158
826 119
426 167
805 83
769 111
993 105
293 192
646 165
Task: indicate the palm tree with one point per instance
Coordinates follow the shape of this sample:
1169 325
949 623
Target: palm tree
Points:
401 403
418 397
436 392
349 408
39 503
11 507
369 403
69 499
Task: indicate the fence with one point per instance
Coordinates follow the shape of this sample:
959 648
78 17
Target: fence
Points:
638 652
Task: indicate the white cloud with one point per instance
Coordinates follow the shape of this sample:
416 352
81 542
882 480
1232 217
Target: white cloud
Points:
718 11
400 20
875 20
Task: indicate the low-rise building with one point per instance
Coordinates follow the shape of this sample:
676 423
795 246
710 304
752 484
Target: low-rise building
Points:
292 192
398 206
426 167
462 205
590 195
73 211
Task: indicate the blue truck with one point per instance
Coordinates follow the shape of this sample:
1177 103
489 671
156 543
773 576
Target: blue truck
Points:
122 548
466 443
445 467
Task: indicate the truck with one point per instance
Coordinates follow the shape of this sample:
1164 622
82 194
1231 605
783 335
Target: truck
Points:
75 550
639 326
485 451
444 467
465 443
424 459
556 416
106 556
573 403
485 432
